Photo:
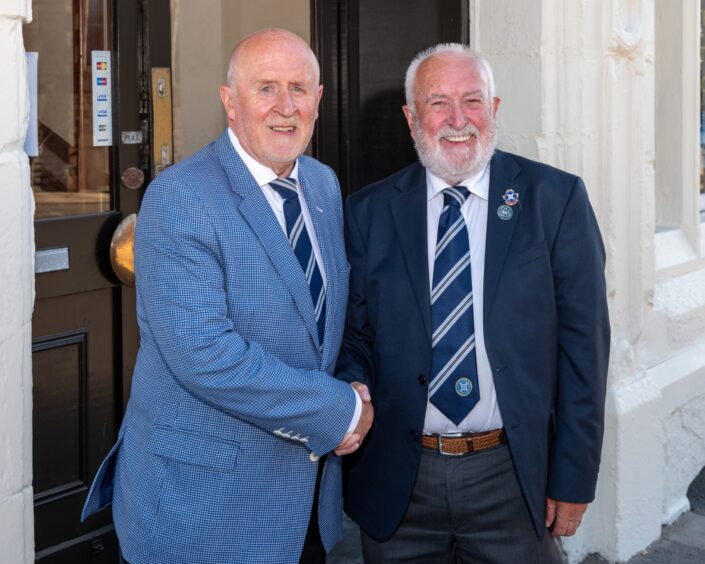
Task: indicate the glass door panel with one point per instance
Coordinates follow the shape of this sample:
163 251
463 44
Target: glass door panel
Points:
70 176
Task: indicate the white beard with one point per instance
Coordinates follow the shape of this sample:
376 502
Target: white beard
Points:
473 161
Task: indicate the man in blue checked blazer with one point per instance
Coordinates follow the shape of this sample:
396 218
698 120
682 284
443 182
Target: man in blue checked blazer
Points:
225 451
478 319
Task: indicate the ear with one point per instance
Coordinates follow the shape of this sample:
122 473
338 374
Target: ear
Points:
495 106
318 100
226 96
409 118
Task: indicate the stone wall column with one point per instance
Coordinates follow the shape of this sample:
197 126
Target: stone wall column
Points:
16 293
577 84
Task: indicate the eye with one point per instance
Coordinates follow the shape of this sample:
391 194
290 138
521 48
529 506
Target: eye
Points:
266 89
297 88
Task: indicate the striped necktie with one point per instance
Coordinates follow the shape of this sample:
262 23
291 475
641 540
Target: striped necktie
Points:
454 387
301 244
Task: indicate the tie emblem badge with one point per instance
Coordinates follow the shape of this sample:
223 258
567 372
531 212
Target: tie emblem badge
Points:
463 387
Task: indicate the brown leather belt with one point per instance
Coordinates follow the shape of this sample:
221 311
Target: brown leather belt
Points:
456 444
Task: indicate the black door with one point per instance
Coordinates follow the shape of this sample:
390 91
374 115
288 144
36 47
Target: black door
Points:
95 145
364 47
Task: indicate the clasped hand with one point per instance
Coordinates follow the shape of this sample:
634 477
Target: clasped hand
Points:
352 441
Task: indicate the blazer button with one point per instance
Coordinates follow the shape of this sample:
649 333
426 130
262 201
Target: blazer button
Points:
313 457
414 436
422 379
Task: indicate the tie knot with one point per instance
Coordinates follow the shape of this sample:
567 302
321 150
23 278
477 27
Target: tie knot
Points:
455 196
285 187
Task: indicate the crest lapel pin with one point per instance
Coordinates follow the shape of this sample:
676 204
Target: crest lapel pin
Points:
511 198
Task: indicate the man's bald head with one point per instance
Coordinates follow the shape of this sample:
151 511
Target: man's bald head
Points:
256 40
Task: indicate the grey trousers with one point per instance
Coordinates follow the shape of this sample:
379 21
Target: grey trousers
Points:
465 509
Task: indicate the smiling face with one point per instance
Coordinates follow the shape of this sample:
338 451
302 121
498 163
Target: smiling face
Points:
272 103
453 118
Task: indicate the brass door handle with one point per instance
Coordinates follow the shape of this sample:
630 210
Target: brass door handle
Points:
122 250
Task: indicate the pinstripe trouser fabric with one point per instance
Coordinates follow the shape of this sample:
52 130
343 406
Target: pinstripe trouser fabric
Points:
467 509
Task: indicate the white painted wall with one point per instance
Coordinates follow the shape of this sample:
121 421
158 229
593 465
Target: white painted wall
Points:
577 80
16 293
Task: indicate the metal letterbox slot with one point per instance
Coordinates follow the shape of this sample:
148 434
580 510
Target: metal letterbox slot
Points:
51 260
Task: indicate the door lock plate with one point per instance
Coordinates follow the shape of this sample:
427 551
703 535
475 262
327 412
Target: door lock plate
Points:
162 135
132 178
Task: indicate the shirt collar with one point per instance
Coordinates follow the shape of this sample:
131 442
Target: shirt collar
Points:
477 184
263 175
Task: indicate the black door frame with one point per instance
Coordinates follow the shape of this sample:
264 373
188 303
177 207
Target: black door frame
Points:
142 41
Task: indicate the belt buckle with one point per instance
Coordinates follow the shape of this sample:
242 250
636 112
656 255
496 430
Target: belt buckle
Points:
442 436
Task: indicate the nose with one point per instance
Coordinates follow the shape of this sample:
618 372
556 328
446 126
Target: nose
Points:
456 117
285 103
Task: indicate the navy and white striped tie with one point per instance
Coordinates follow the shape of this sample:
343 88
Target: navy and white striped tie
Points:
454 387
301 244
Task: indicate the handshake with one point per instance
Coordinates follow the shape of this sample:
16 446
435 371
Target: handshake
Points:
352 441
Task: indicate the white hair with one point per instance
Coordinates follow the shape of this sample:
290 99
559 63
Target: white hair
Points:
441 48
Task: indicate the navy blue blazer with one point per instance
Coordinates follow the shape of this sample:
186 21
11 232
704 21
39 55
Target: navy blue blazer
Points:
546 332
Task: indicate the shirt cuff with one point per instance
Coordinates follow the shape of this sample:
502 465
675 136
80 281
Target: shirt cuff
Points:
358 412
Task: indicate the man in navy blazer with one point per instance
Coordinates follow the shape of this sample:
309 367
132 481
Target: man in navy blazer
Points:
478 319
242 282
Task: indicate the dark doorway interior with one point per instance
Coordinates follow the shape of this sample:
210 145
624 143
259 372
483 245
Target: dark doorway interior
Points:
364 47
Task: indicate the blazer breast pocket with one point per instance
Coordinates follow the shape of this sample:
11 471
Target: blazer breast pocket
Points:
194 450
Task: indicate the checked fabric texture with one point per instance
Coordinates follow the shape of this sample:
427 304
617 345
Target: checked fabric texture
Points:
454 388
301 244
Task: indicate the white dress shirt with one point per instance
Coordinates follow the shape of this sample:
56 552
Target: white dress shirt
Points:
263 175
485 415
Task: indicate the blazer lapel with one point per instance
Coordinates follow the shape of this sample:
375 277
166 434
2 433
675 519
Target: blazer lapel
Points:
257 212
409 211
503 171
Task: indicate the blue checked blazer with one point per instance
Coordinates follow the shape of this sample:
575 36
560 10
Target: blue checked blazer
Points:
232 399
